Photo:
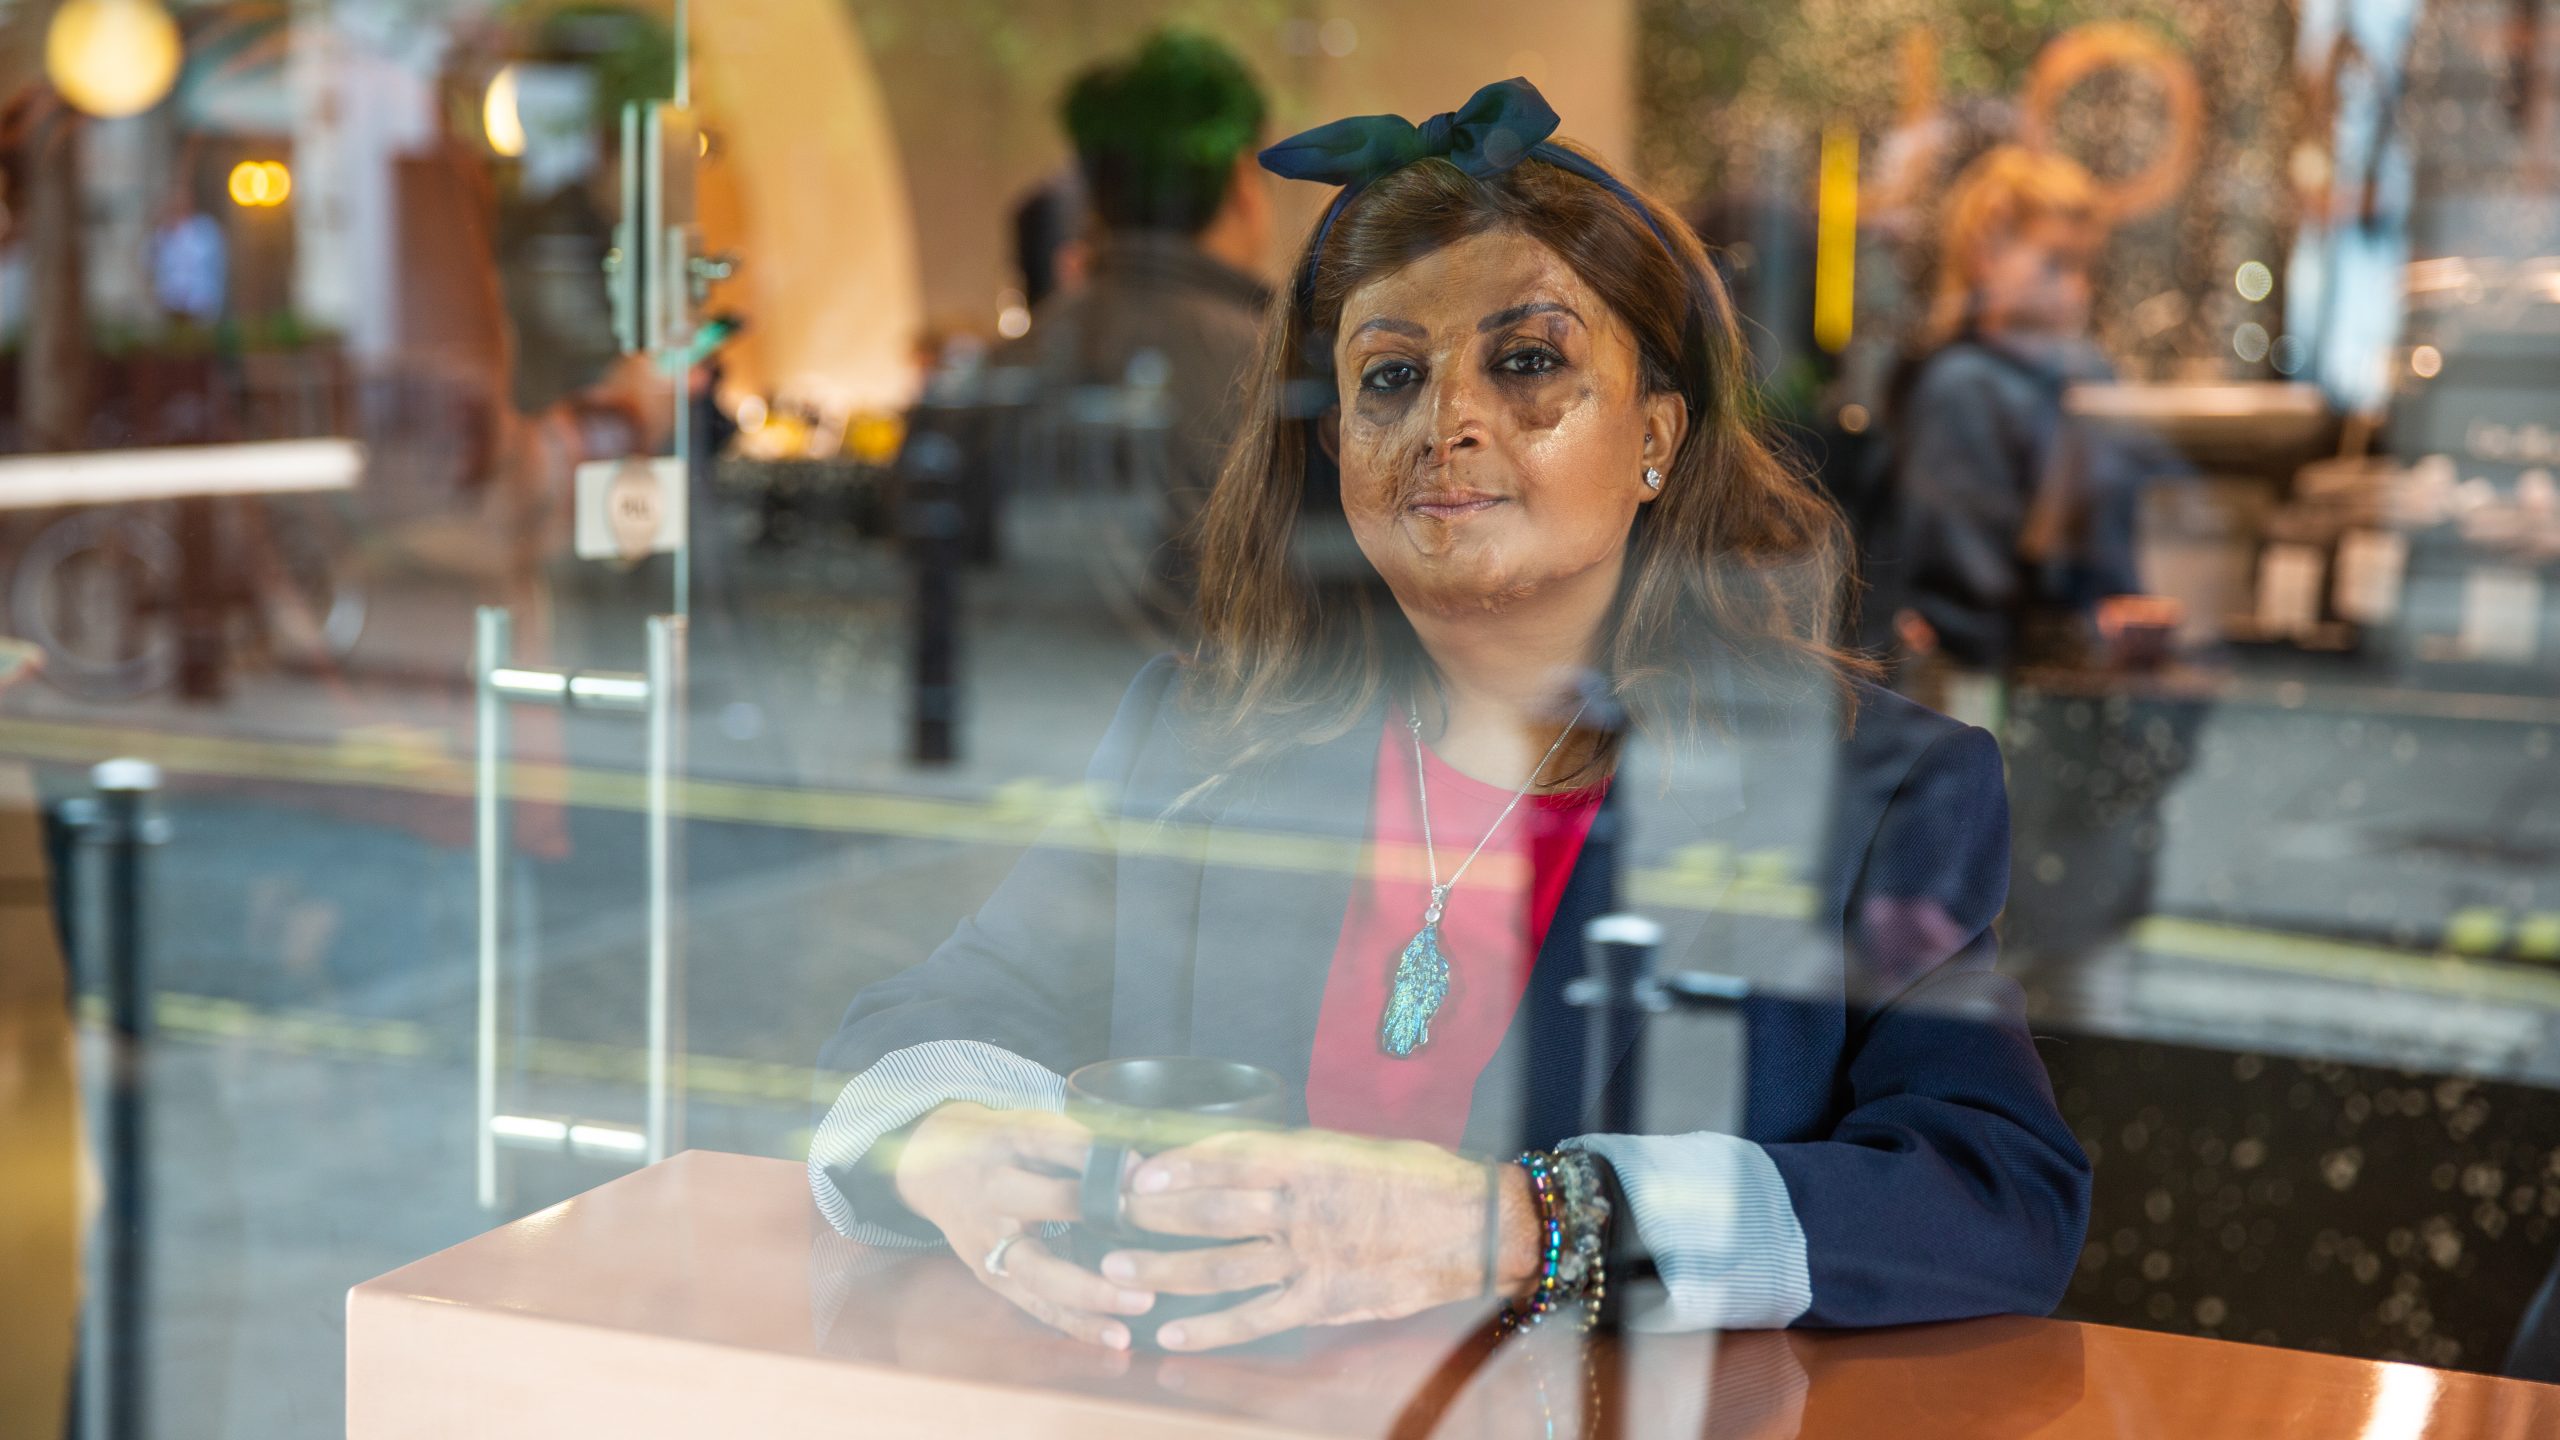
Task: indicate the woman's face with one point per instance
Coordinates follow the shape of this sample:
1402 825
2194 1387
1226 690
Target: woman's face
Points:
1493 430
2036 281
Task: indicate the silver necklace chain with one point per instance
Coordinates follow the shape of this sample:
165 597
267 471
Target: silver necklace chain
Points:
1422 784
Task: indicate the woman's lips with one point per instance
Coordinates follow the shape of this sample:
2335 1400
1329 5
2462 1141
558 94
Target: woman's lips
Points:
1451 504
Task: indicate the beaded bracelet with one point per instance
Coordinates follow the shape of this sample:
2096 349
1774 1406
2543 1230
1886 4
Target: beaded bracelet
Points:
1582 1264
1522 1313
1573 1218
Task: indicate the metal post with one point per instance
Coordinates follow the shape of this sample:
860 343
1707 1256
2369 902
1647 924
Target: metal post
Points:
667 635
1619 983
933 523
204 601
682 560
116 827
1619 952
494 645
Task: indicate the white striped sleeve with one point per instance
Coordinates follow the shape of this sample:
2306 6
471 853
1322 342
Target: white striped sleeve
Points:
902 1085
1713 1212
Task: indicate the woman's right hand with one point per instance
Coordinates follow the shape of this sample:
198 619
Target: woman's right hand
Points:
979 1175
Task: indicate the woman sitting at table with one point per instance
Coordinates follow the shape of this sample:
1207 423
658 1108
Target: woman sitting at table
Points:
1578 633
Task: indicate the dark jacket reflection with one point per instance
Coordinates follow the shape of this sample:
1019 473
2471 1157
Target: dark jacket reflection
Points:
1890 1076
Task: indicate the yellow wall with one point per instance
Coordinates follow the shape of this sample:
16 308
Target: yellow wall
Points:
874 149
976 127
809 193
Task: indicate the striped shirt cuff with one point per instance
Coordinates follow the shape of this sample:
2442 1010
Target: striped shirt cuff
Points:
1713 1213
901 1086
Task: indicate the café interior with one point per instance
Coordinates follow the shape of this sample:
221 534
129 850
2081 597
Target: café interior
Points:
526 589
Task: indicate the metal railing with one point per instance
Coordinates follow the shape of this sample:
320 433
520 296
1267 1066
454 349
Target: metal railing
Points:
103 842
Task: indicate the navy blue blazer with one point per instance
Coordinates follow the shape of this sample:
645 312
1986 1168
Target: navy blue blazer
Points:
1852 879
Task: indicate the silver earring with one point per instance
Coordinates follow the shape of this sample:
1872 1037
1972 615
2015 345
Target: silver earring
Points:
1652 478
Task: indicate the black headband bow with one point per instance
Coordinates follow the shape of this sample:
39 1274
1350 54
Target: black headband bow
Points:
1492 132
1501 125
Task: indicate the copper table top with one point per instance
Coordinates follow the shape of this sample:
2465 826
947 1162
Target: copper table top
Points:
704 1296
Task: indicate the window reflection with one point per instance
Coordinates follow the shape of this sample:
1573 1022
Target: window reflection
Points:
2158 391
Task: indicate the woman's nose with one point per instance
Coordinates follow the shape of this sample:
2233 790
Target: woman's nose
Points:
1457 418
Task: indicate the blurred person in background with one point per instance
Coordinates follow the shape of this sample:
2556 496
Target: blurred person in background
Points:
2016 526
2011 546
1132 380
1916 162
1125 385
960 401
1049 245
190 262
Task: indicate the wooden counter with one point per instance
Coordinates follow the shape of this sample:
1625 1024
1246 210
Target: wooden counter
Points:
703 1296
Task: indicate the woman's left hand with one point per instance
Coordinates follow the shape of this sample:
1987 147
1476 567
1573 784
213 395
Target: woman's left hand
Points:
1348 1228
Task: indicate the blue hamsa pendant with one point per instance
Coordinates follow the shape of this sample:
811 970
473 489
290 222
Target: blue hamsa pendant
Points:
1422 982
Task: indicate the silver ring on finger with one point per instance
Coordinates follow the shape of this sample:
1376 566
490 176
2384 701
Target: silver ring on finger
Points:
994 1263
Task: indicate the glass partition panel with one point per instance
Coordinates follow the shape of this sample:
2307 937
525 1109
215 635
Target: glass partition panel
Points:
1382 719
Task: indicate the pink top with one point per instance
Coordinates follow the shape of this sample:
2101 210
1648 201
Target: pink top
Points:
1490 930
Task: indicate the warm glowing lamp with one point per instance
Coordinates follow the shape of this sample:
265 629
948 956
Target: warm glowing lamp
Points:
260 184
112 57
500 116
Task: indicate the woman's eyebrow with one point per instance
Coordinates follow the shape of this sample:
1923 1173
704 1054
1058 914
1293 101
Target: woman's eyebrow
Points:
1391 324
1518 313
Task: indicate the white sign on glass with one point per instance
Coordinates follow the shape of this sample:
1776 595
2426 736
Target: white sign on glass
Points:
630 508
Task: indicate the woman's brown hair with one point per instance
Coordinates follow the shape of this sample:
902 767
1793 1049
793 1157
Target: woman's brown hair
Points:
1735 572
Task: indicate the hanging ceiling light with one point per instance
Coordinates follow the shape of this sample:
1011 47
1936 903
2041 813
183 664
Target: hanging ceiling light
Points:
112 57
